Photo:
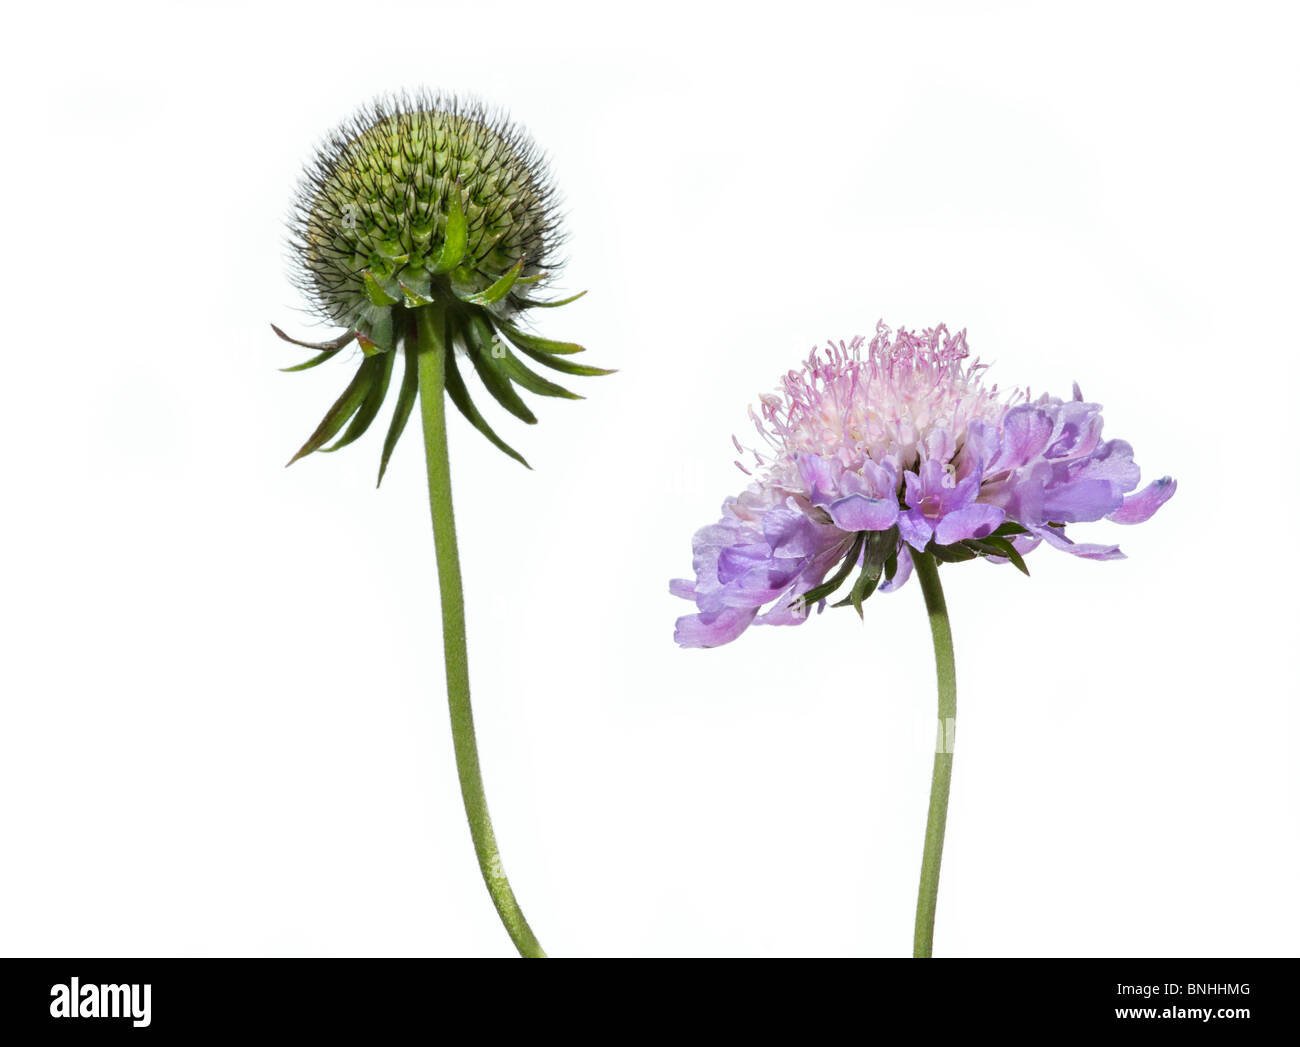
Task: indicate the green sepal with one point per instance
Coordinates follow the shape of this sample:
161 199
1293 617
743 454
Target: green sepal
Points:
567 367
370 406
1008 530
541 345
455 237
328 345
995 545
824 590
464 282
499 289
863 587
880 546
378 336
406 395
530 303
344 408
459 395
514 369
315 361
416 284
559 363
490 372
375 292
326 350
950 553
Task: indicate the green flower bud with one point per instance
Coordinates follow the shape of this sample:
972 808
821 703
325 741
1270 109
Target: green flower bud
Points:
428 203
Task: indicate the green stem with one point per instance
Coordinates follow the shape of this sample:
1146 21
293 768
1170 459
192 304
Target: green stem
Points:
927 570
431 348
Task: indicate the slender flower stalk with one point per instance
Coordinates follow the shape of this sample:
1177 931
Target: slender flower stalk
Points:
431 353
425 227
936 821
888 458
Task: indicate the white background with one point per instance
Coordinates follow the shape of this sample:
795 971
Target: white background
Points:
223 726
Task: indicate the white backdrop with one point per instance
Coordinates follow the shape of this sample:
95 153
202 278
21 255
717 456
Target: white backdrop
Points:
223 725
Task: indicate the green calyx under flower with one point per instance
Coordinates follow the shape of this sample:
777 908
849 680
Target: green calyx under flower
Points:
876 553
428 203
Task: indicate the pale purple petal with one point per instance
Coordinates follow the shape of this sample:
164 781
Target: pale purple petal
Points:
1025 432
941 446
915 529
974 521
1025 543
1112 461
1054 537
788 532
712 630
736 560
1077 431
1081 501
818 476
874 481
983 444
901 575
859 513
1140 507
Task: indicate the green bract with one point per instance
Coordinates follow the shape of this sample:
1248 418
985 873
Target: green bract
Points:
428 203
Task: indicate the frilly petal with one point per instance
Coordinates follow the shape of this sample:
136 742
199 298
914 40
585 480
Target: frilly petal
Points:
915 529
713 629
901 575
860 513
974 521
1081 501
1140 507
1053 536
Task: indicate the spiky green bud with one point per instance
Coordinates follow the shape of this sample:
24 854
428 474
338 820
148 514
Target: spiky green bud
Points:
426 202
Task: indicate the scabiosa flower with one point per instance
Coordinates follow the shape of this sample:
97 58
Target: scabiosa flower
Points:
890 461
428 201
426 226
871 456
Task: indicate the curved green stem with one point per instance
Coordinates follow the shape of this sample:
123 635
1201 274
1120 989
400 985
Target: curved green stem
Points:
927 570
431 348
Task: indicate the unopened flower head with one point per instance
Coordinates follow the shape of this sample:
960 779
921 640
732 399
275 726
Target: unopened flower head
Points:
413 198
872 450
424 202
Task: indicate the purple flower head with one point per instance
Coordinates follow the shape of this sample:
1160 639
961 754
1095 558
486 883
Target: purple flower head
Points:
870 454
